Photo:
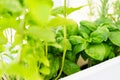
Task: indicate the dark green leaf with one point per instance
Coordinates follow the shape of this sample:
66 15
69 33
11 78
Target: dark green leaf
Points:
70 56
54 66
70 67
111 55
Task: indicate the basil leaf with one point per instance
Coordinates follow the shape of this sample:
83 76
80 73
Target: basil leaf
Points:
89 25
115 37
99 35
79 47
76 39
68 44
70 67
96 51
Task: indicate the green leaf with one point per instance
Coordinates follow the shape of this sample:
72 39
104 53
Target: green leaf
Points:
2 48
115 37
60 10
108 50
99 35
39 10
41 33
54 66
68 44
72 28
11 5
96 51
79 47
84 30
70 56
3 39
76 39
111 55
70 67
44 70
89 25
60 21
17 39
9 22
84 34
56 45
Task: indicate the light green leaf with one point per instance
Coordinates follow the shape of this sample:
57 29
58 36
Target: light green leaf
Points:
108 50
44 70
96 51
3 39
60 21
41 33
115 37
39 10
11 5
99 35
79 47
76 39
89 25
68 44
9 22
60 10
70 67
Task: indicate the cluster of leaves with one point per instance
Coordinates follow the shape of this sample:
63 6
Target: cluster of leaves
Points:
39 40
36 43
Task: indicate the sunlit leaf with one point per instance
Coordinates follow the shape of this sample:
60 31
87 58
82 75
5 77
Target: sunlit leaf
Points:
99 35
89 25
68 44
60 10
41 33
40 10
3 39
76 39
79 47
11 5
96 51
60 21
115 37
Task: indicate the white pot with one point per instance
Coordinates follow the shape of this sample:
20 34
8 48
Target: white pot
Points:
108 70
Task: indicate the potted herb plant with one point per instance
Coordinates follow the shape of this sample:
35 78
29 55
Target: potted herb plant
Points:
41 43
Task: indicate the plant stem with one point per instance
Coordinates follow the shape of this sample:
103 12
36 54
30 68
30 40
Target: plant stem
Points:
22 25
64 52
46 48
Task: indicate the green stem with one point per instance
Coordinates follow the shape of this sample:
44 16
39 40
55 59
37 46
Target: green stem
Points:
22 25
65 48
46 48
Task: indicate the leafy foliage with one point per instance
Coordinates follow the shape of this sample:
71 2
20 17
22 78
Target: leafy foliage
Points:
43 45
